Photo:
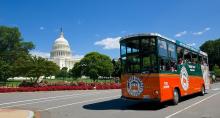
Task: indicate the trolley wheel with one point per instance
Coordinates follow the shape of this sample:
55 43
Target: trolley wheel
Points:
202 93
176 97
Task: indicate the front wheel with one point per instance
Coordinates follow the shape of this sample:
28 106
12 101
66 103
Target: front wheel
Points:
176 97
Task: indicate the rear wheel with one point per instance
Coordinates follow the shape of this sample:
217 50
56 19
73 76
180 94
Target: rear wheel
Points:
176 97
202 93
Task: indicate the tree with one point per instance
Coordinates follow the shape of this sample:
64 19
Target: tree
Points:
95 64
12 45
93 73
116 68
5 71
75 72
15 59
63 72
52 68
35 67
212 47
12 48
216 69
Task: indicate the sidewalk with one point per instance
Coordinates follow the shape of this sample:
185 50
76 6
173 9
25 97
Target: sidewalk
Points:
12 113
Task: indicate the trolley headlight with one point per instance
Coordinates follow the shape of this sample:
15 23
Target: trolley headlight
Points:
156 92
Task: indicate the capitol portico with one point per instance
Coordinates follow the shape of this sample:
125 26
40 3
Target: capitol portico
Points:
61 53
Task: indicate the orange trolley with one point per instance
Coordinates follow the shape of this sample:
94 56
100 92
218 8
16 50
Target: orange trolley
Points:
157 68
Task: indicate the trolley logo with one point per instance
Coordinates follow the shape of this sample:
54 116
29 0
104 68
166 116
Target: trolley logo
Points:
135 86
184 77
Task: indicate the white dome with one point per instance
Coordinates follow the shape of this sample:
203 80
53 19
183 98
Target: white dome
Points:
61 48
61 40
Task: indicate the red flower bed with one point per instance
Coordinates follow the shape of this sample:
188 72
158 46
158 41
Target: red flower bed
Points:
103 86
79 86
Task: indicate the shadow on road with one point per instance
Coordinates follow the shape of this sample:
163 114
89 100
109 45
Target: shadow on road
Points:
192 96
119 104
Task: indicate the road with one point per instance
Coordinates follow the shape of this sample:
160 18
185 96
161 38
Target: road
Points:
107 104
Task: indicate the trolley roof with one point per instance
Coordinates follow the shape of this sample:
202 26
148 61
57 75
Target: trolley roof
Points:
166 38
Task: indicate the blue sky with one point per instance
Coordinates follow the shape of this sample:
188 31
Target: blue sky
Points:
96 25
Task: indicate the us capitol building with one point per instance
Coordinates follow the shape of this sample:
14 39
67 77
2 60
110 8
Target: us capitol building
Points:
61 53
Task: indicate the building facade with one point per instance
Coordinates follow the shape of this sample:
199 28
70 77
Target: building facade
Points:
61 53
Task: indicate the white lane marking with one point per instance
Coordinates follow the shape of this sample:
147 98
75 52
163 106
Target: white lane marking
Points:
43 98
216 89
192 105
65 105
40 99
47 100
79 96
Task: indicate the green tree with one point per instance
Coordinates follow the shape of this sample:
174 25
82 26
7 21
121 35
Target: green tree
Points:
5 71
116 68
216 69
63 72
95 64
12 48
35 67
93 73
52 68
212 47
15 59
75 72
12 45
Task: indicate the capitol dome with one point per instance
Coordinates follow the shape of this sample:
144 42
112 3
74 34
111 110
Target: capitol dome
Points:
61 53
61 48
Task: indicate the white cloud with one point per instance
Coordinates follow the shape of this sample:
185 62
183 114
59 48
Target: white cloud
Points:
181 34
42 28
109 43
198 33
202 32
192 44
40 54
207 28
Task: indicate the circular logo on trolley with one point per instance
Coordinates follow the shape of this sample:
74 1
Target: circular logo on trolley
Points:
184 78
135 86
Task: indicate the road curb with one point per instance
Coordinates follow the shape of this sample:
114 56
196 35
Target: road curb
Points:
30 114
16 113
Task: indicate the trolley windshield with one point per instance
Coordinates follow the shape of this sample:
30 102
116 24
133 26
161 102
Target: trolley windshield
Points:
138 55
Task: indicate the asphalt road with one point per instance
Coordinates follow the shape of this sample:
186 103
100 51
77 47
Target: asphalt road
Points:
107 104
